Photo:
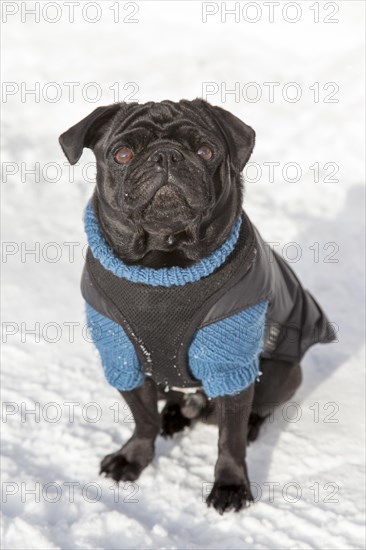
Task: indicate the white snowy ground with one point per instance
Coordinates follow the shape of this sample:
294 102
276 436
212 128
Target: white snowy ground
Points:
314 464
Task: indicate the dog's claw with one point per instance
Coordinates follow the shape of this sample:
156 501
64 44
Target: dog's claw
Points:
229 497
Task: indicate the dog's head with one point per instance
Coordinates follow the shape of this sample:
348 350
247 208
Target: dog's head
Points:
168 176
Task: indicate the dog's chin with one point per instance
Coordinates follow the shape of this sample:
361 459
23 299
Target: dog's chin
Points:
168 212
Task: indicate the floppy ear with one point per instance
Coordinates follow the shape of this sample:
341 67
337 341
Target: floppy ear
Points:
239 136
86 132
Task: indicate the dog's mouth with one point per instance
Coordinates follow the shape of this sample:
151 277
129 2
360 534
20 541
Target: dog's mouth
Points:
168 209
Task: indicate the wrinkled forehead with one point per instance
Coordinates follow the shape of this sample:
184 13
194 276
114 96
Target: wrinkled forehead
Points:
163 119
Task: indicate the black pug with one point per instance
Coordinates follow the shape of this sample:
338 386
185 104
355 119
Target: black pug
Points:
185 301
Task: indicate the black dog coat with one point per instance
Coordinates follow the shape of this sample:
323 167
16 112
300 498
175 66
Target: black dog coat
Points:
203 325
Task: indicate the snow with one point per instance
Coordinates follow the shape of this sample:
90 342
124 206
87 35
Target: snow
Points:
313 448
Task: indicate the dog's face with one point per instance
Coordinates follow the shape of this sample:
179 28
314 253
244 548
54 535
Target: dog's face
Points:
168 176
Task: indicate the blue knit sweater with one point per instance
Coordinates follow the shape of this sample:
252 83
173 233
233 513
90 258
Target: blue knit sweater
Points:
224 355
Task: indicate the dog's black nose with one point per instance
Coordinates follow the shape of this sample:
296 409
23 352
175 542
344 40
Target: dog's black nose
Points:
164 155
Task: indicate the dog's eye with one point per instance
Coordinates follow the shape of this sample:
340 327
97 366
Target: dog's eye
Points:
123 155
205 152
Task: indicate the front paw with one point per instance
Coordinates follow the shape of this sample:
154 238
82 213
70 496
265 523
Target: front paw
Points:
229 497
117 467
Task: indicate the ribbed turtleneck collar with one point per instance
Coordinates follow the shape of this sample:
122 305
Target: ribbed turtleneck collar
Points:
165 276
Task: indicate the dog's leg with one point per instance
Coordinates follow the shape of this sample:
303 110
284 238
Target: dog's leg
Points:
127 463
276 385
231 488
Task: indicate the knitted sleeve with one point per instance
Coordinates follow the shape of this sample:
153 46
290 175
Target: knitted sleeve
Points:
121 366
225 354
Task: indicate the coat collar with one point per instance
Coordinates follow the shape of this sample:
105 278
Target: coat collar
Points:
165 276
